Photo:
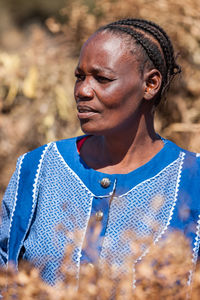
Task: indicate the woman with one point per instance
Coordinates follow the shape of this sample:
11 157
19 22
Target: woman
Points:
121 174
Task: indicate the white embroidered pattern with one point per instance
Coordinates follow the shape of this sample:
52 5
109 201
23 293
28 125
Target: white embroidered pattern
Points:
196 245
63 211
15 200
182 155
79 179
35 187
72 172
135 212
195 250
38 171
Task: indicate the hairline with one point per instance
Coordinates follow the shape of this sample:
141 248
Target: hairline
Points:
143 60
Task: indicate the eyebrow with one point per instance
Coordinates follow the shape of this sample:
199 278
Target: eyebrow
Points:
97 69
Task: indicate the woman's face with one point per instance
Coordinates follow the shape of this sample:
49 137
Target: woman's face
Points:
109 88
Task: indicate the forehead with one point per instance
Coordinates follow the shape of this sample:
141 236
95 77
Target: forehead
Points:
107 50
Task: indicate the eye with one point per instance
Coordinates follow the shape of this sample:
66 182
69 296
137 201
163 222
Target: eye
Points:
80 77
103 79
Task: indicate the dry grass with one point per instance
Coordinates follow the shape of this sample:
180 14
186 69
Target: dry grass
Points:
162 274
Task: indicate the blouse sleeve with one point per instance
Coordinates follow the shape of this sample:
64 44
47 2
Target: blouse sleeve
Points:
7 208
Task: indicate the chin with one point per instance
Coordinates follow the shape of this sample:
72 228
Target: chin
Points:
91 129
97 131
98 128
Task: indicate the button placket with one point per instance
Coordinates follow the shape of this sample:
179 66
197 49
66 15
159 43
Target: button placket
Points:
97 224
96 229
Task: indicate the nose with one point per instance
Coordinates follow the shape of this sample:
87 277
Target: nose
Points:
83 90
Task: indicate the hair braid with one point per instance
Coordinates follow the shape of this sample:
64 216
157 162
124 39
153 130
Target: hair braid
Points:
155 31
163 58
144 42
169 43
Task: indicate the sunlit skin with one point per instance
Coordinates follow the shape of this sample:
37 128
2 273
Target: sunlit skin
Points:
114 102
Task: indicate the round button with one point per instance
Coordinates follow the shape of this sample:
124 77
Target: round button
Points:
105 182
99 215
91 265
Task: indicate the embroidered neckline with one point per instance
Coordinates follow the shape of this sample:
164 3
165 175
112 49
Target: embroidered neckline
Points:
91 178
180 156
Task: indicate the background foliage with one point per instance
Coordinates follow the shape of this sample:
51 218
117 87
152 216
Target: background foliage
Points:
157 277
39 45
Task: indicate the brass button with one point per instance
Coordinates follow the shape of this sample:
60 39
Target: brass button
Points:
105 182
91 265
99 215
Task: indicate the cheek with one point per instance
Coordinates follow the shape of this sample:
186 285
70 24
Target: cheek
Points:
111 95
118 95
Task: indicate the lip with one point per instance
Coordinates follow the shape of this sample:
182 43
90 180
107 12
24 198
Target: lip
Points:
86 115
85 112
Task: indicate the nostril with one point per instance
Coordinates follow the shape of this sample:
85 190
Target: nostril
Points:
83 98
84 93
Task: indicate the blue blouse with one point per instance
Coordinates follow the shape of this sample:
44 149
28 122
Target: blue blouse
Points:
55 200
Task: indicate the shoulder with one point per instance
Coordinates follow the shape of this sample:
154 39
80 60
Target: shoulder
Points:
69 147
189 161
188 186
66 143
191 158
190 171
186 153
34 158
70 141
191 154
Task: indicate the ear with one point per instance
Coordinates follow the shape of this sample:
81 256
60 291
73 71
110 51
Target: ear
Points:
153 81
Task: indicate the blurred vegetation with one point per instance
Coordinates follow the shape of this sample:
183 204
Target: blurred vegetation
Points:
39 44
157 277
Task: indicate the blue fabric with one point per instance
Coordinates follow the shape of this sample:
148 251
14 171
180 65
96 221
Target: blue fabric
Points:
125 181
67 194
24 204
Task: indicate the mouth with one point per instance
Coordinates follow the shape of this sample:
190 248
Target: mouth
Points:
85 112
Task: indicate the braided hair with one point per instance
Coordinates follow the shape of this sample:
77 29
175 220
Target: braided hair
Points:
156 47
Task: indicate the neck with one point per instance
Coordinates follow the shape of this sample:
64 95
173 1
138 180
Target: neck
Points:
123 151
124 146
